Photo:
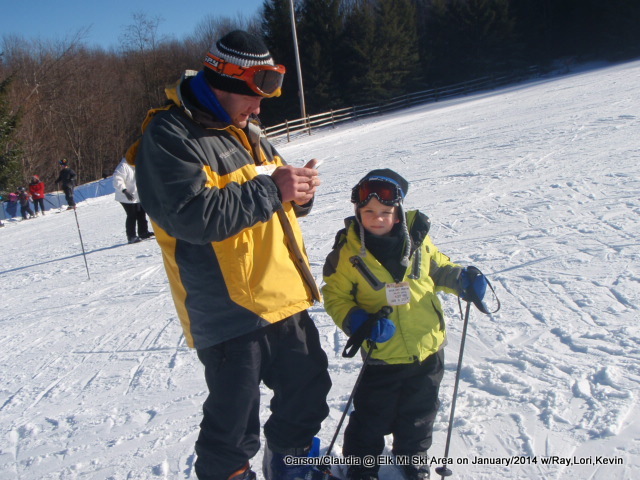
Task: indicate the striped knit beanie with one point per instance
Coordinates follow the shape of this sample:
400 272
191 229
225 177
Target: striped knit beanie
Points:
240 48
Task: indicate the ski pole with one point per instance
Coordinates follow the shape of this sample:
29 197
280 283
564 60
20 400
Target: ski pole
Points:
383 312
58 195
82 244
346 408
444 471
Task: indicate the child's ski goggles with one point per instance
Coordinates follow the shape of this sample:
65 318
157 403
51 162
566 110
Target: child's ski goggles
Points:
265 80
384 189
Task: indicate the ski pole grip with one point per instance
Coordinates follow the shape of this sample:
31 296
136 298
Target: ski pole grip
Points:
355 340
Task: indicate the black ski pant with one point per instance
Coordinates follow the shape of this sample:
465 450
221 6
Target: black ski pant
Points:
395 399
38 203
135 216
68 195
25 211
288 358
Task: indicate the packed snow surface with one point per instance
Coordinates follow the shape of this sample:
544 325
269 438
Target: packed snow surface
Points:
538 185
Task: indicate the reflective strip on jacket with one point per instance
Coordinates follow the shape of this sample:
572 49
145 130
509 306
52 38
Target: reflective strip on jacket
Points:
231 265
355 281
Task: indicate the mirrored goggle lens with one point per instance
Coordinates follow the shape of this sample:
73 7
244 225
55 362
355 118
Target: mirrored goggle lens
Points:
268 81
385 192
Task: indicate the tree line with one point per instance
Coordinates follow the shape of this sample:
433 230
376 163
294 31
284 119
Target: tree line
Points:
68 100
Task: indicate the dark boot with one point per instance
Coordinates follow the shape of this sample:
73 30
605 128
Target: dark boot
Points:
275 468
245 473
358 472
416 472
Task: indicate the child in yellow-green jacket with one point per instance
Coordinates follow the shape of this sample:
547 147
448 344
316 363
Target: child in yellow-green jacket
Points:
384 257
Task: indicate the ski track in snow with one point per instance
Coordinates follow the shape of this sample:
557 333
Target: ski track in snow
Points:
538 185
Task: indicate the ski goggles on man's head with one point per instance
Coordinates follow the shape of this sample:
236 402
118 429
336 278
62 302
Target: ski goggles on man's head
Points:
384 189
265 80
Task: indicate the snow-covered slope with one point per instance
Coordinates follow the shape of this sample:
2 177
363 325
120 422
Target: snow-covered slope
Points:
538 185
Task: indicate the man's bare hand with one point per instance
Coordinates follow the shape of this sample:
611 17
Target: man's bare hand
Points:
297 184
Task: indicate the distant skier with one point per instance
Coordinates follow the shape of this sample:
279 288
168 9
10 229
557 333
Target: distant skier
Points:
384 257
124 183
36 189
67 177
25 207
12 204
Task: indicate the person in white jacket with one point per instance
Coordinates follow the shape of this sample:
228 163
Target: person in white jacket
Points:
124 183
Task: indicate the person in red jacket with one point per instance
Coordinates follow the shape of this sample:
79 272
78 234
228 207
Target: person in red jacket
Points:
36 188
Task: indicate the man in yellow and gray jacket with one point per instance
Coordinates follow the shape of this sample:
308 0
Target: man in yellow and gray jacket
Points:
224 207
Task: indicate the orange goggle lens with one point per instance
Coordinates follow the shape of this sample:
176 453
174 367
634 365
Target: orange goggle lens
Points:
388 193
265 80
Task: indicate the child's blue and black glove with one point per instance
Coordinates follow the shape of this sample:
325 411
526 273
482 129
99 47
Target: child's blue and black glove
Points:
375 327
382 330
472 285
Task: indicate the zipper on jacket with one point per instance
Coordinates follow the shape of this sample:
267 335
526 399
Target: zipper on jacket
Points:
440 317
417 260
371 279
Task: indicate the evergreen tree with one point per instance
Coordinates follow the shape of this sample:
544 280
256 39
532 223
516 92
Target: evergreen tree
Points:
596 29
534 30
395 56
468 38
278 36
10 166
620 32
320 26
378 56
354 71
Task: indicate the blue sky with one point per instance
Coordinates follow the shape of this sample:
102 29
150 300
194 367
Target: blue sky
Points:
61 19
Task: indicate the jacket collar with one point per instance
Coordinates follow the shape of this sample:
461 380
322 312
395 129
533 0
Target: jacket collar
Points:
419 226
180 95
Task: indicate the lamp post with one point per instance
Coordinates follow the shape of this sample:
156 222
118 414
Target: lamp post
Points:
303 112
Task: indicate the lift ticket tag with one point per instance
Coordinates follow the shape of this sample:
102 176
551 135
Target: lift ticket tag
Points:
266 169
398 293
